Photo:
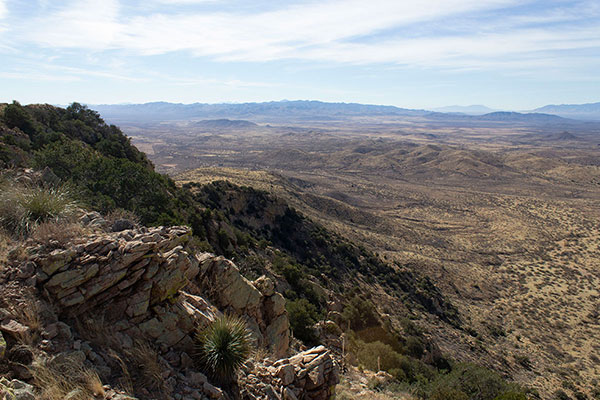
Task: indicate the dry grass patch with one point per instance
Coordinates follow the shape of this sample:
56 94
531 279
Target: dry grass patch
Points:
125 381
148 371
28 313
60 232
119 213
139 364
5 244
65 377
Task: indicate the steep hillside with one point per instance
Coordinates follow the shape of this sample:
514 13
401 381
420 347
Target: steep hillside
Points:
335 292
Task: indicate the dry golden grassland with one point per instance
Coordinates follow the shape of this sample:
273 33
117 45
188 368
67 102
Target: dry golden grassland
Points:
503 217
523 269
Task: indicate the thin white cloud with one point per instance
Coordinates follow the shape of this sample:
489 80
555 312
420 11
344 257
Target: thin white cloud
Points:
96 24
3 25
327 31
37 76
86 24
187 2
460 50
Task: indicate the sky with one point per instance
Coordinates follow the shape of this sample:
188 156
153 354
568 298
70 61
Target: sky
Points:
506 54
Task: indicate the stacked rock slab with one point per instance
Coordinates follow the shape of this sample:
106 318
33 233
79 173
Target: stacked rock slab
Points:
146 283
128 276
308 375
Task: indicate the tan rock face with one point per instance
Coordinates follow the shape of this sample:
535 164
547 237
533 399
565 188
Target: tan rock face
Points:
132 278
264 310
146 267
136 277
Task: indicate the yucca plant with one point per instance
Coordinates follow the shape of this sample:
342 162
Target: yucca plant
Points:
223 347
22 208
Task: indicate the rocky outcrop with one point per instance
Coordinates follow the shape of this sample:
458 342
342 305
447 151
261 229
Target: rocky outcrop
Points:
264 309
146 283
135 270
135 280
310 375
132 278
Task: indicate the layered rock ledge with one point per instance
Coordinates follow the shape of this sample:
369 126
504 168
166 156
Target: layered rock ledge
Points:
146 283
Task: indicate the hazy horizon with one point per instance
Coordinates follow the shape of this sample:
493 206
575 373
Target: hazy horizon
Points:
444 108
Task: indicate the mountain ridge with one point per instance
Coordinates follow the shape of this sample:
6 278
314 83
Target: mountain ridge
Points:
474 109
303 110
587 111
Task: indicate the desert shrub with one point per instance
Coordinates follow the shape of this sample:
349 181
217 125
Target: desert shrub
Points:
377 354
478 383
580 395
360 313
414 347
119 213
59 232
368 354
512 396
303 315
223 347
448 394
16 116
523 360
22 208
561 395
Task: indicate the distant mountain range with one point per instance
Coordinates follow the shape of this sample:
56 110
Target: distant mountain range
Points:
227 115
469 110
589 111
225 123
298 109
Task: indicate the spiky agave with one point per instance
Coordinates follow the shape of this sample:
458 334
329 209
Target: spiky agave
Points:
223 347
23 207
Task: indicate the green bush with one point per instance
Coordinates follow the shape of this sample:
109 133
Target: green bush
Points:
377 354
368 355
22 208
561 395
512 396
414 347
360 313
478 383
303 315
448 394
223 347
16 116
